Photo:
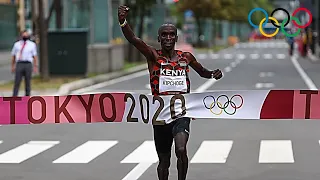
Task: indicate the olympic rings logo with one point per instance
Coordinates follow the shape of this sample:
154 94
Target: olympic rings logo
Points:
234 105
284 23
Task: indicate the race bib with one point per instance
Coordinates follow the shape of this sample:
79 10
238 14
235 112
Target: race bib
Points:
173 83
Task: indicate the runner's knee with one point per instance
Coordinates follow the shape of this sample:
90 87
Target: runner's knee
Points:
181 152
164 161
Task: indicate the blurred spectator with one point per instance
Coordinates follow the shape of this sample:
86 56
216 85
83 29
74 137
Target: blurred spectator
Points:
304 42
290 41
24 61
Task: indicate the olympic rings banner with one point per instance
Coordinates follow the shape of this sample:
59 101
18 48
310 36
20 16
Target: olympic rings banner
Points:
159 110
284 23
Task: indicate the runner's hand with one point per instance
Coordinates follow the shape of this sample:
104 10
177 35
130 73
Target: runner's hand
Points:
217 74
122 13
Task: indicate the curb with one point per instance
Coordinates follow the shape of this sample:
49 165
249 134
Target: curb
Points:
67 88
5 64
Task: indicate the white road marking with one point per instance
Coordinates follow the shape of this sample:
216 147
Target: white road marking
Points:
285 45
137 171
264 85
265 45
206 85
241 56
202 56
227 69
228 56
281 56
266 74
111 82
145 155
267 56
214 56
238 61
212 152
254 56
146 152
26 151
312 57
259 85
210 82
86 152
303 74
147 86
276 151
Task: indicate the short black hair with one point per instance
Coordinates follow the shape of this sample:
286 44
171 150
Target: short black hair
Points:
167 25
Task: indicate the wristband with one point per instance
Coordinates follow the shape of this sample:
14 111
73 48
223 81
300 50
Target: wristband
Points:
124 23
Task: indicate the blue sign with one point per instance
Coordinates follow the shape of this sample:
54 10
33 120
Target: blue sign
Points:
188 14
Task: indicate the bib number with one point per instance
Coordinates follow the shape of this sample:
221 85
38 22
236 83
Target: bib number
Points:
173 83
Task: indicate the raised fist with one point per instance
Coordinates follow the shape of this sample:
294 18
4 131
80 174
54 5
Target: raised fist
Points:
217 74
122 13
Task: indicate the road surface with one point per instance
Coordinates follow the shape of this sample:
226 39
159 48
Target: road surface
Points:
218 149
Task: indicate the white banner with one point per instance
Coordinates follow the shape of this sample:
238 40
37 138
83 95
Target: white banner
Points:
225 105
149 109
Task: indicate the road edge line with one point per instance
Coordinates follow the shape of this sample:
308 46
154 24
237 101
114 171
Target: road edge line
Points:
303 74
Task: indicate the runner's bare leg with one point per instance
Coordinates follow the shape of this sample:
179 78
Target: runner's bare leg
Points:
181 140
163 167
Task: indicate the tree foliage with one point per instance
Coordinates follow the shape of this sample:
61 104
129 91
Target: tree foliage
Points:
264 4
200 8
138 10
232 10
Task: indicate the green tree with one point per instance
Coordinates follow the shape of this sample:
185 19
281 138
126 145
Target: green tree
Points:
237 12
138 11
41 24
258 15
174 12
202 9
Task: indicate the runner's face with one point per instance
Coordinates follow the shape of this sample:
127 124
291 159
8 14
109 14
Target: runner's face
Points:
168 37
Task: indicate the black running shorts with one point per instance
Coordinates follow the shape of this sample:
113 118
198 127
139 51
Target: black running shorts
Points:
164 134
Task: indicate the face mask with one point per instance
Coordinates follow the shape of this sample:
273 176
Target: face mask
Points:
25 38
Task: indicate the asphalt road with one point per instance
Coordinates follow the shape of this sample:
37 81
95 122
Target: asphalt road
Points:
218 149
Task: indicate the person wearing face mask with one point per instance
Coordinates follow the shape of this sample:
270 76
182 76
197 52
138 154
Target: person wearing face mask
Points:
24 62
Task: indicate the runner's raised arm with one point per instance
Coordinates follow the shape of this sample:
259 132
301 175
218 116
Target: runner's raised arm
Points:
145 49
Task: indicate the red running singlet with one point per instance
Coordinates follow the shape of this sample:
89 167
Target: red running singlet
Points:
170 77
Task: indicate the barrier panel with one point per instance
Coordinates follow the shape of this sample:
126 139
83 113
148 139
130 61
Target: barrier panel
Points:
159 110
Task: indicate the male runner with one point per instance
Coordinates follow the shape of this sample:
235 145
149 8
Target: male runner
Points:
168 70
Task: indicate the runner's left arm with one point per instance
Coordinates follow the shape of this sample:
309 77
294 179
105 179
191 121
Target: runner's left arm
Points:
202 71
